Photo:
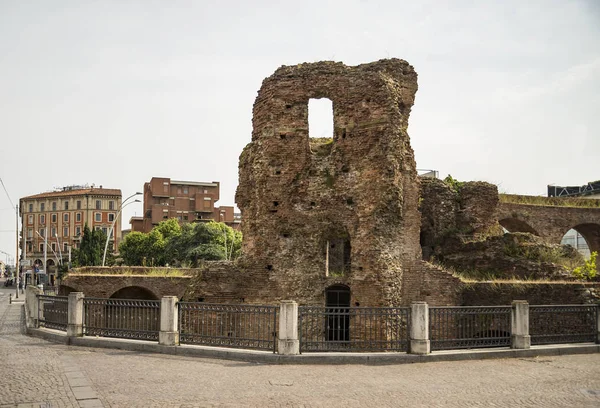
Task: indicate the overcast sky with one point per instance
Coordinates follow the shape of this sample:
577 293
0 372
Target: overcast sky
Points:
116 92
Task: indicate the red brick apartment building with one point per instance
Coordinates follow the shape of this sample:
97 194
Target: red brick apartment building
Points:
187 201
57 218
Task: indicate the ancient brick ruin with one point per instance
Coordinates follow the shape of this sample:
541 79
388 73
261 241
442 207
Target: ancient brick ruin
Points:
346 221
341 210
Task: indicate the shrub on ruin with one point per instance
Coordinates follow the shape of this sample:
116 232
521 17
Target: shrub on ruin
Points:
588 270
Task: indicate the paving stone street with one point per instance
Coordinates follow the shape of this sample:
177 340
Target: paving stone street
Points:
36 373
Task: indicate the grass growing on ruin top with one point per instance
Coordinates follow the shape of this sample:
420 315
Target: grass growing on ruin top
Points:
549 201
154 272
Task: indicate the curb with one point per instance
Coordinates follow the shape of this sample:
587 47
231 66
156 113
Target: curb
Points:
265 357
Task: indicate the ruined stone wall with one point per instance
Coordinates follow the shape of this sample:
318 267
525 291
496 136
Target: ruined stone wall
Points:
451 213
552 222
360 187
425 282
487 293
105 286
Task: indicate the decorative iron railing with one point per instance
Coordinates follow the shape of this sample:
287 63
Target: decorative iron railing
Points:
238 326
562 324
122 318
353 328
53 311
469 327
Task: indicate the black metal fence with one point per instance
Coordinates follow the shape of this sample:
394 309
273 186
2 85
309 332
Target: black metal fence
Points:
469 327
322 328
53 311
239 326
122 318
353 328
563 324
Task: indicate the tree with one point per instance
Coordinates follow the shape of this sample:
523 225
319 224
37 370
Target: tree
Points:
133 248
91 248
181 245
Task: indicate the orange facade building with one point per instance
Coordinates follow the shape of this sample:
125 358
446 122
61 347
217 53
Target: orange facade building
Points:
186 201
53 222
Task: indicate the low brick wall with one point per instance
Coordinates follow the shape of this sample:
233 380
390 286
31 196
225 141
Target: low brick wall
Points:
487 293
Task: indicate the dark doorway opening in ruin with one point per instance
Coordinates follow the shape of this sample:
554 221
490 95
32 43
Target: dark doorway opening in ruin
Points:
337 256
337 302
320 118
134 292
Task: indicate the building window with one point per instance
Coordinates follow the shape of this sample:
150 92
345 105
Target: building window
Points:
185 217
29 232
104 230
29 247
178 190
77 231
30 219
98 217
65 231
79 204
66 217
42 232
54 217
53 205
185 190
42 207
30 207
52 231
65 247
42 219
78 217
66 205
111 217
98 205
111 205
53 247
41 247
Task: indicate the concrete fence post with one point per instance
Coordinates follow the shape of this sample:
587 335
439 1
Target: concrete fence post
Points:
288 341
169 319
31 304
519 323
419 328
75 315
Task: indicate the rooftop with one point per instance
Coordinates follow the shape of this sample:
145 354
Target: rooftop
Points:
67 192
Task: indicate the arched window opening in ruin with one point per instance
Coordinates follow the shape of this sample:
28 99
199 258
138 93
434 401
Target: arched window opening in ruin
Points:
583 237
517 225
337 302
320 118
337 256
134 292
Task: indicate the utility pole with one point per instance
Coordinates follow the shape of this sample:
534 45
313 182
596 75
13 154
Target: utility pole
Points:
17 251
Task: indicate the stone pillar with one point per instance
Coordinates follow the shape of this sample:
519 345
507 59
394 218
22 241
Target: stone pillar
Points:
169 319
598 324
288 342
519 323
31 303
75 315
419 328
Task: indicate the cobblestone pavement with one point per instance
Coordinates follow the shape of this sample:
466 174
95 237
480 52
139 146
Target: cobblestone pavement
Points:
36 373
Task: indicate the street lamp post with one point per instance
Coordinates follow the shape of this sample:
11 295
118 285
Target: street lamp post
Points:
110 231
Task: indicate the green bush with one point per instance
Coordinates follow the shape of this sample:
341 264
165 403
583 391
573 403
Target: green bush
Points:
588 270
